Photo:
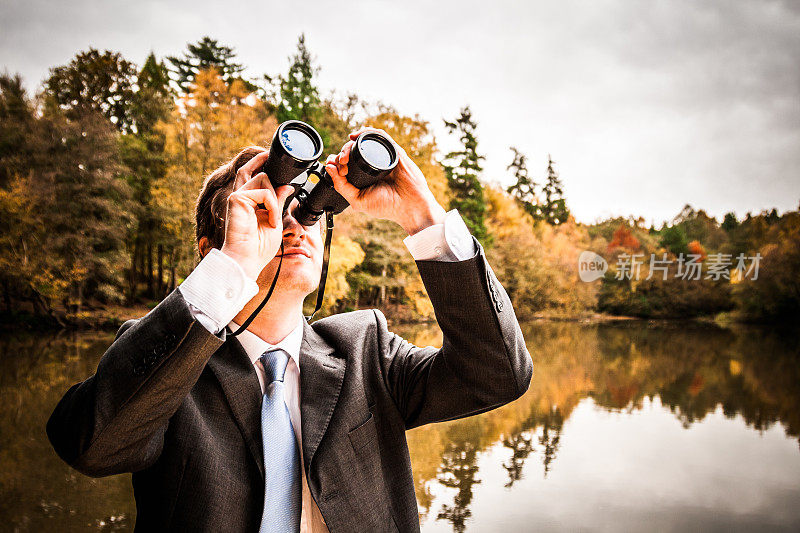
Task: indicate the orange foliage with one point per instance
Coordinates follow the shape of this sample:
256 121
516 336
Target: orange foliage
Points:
623 238
696 248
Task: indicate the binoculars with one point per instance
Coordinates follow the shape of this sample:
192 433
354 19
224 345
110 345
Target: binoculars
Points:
294 159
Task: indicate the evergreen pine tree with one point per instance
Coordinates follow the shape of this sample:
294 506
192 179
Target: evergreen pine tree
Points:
524 190
555 207
298 96
153 99
730 223
462 168
206 53
146 163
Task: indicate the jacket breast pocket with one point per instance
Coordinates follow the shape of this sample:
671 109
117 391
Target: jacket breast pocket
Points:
366 487
365 435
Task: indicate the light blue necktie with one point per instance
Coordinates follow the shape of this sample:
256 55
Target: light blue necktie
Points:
281 454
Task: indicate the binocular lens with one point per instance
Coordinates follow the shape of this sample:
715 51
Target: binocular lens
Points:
298 143
375 153
294 149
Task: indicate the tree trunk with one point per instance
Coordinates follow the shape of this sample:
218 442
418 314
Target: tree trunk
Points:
132 275
150 286
382 297
142 263
160 280
172 260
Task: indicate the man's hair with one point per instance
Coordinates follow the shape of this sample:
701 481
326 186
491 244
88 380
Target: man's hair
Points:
211 206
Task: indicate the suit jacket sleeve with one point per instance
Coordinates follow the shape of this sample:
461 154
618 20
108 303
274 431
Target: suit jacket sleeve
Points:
483 362
115 421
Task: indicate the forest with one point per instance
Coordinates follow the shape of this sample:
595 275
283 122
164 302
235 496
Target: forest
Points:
101 165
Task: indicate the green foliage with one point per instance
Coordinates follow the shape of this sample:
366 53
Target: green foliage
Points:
730 223
462 168
675 240
555 210
207 53
16 119
298 95
524 189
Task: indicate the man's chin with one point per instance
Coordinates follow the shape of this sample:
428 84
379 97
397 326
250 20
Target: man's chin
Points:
294 277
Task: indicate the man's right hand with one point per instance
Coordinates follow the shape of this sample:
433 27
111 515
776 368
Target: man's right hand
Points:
254 220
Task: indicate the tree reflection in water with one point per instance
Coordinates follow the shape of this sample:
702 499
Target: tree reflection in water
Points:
750 372
693 368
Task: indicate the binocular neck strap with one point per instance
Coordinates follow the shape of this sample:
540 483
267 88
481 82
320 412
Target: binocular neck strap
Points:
325 257
326 254
266 298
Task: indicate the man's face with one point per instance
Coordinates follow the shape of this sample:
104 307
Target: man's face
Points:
302 257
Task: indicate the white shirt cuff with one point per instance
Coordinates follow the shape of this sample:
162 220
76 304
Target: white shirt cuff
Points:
449 241
216 290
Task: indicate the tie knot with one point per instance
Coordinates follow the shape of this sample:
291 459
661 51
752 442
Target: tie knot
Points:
274 362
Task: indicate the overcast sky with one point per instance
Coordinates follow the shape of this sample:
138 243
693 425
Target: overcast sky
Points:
644 105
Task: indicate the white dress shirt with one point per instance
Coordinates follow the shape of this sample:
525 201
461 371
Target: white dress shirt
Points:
218 289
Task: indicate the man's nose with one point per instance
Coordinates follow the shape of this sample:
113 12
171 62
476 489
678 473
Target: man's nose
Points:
291 227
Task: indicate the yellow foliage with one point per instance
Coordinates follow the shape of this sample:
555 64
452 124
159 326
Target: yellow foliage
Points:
207 128
537 263
346 254
414 135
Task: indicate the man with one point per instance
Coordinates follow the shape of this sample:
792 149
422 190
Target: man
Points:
290 425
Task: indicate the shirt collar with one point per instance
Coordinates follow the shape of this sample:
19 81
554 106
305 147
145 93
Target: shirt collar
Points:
255 346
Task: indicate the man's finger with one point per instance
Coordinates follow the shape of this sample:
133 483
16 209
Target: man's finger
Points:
344 155
355 134
245 172
283 193
257 198
259 181
340 183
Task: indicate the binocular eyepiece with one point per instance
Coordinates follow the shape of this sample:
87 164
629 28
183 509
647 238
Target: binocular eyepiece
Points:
294 157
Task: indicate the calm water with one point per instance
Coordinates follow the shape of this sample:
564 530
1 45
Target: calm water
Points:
626 427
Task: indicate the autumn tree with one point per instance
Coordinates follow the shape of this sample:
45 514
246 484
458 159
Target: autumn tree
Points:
386 275
68 211
555 208
462 168
623 238
206 128
95 81
205 54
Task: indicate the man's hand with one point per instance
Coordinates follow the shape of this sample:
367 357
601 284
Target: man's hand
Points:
403 197
254 220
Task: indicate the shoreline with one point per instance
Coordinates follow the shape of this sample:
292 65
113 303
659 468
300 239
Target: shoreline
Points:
111 318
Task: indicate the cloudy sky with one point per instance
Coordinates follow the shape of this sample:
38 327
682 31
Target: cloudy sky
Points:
645 105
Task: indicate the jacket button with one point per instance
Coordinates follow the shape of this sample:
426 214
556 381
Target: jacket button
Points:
139 370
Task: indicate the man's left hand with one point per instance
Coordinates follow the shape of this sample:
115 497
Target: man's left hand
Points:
404 196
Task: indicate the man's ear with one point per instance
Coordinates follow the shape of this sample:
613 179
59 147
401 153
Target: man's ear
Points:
204 246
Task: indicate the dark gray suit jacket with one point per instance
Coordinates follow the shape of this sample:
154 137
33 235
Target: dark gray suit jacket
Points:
180 408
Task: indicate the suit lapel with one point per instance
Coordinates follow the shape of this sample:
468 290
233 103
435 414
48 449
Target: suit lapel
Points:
321 378
240 384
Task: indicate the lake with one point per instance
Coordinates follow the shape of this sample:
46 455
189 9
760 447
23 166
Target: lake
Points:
627 426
